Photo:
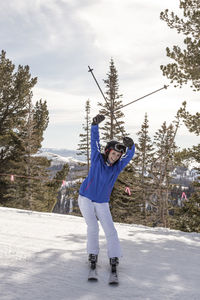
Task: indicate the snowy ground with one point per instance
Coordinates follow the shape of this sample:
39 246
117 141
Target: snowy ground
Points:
42 257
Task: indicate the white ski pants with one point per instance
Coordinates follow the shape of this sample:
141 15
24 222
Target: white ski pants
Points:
91 211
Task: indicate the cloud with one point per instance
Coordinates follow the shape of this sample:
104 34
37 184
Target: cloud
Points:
59 39
63 107
48 36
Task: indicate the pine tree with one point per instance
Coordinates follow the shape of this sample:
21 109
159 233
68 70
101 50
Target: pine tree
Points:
186 69
15 89
124 207
14 98
22 128
54 186
41 120
192 122
27 191
142 160
161 168
84 145
188 217
32 135
187 61
111 109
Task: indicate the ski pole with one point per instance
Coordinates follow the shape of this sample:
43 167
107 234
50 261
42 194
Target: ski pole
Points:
164 87
112 112
91 71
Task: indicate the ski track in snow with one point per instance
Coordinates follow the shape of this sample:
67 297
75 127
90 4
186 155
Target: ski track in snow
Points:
43 257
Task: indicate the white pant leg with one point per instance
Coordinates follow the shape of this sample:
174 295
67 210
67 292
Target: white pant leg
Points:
88 212
105 218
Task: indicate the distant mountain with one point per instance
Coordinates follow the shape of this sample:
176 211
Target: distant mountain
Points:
57 159
181 175
77 167
65 153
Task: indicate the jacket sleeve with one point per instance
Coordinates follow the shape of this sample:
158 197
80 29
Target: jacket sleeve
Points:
125 159
95 145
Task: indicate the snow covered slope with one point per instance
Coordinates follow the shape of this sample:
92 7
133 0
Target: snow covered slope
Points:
42 257
57 159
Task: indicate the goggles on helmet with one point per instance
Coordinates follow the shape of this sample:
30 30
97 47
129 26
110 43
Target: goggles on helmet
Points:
120 148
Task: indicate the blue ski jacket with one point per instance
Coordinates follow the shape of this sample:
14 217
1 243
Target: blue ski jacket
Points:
101 178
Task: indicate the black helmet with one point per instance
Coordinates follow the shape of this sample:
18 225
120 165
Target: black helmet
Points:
114 145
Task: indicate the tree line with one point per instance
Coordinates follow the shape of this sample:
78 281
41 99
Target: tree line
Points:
148 176
143 193
22 126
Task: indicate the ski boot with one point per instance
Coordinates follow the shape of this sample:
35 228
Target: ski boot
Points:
114 261
92 276
93 260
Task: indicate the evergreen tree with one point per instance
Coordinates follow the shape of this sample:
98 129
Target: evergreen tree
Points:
192 122
15 89
187 61
142 162
188 217
29 189
22 128
111 109
125 207
187 69
84 145
113 129
54 186
41 120
32 135
161 168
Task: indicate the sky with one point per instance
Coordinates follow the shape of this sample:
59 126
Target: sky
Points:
58 39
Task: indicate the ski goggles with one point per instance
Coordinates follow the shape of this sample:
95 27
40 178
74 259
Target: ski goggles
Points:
119 148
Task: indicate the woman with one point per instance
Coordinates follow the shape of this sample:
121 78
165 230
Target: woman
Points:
95 191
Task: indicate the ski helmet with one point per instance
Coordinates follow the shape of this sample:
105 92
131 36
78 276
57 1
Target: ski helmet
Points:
114 145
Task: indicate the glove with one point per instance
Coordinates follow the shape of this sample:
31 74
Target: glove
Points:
128 142
98 119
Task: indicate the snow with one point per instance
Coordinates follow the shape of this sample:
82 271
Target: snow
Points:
57 159
43 257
